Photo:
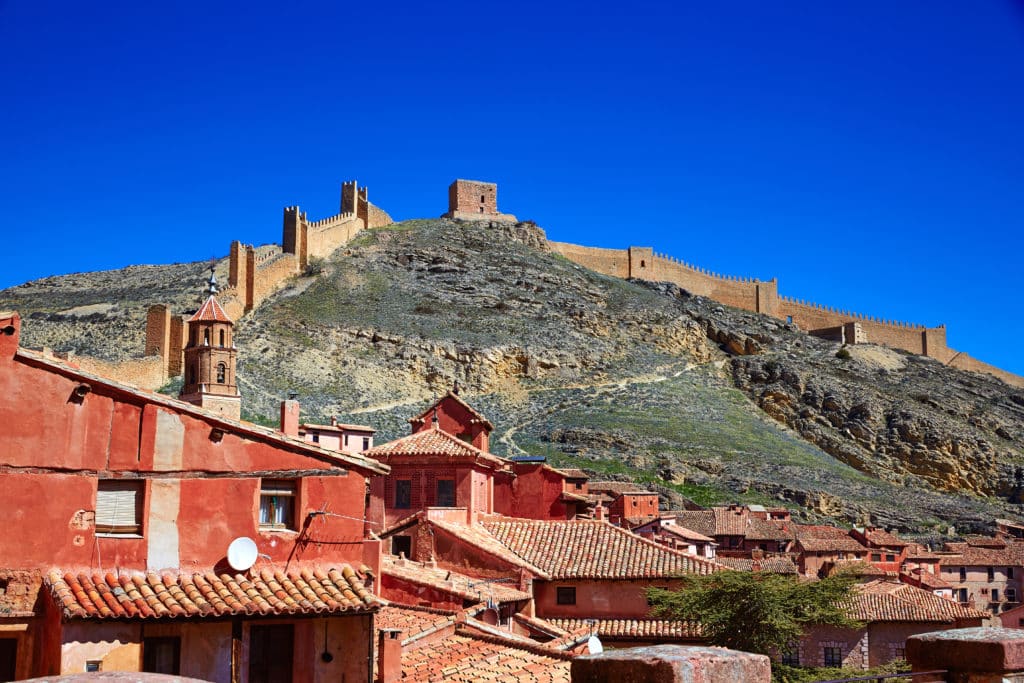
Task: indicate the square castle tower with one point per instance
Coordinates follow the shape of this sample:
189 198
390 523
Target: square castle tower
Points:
472 200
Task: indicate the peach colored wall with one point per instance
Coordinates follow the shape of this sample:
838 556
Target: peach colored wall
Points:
618 598
608 261
534 493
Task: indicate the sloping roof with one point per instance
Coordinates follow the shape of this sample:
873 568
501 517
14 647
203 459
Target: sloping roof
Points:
884 600
818 538
469 657
928 580
478 537
768 530
701 521
685 534
432 442
248 429
883 539
571 473
772 565
617 488
412 621
643 628
465 587
477 417
270 592
336 427
974 554
210 311
591 549
734 521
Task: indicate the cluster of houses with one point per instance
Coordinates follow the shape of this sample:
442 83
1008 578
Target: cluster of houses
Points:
147 533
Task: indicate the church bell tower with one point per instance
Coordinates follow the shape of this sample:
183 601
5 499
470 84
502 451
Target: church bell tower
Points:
210 357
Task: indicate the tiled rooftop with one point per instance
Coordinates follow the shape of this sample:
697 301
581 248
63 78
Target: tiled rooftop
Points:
884 600
591 549
112 595
772 565
639 629
412 621
465 587
616 488
477 536
470 657
210 311
979 553
572 473
883 539
476 418
818 538
432 442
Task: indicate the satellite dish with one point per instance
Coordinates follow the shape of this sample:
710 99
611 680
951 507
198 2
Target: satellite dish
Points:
242 553
594 645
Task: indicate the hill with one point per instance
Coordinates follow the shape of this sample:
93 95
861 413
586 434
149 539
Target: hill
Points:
622 378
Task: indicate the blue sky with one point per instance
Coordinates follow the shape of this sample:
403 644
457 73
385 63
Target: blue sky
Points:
870 155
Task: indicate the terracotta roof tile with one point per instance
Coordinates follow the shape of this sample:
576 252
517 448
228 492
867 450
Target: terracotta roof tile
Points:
412 621
641 628
975 553
772 565
465 587
591 549
468 657
431 442
210 311
616 488
816 538
883 539
571 473
883 600
135 595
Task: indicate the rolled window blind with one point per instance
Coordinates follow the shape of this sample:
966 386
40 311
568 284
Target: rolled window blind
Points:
119 507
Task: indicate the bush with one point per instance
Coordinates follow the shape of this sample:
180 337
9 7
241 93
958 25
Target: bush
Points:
843 354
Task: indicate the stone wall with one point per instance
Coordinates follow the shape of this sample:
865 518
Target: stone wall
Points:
762 296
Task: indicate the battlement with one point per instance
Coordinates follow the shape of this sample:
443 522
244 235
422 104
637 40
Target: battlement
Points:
474 200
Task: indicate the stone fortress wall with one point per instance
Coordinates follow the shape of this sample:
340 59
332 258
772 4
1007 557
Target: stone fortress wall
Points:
763 296
254 274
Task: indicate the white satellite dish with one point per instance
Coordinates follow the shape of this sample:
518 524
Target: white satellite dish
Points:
242 553
594 645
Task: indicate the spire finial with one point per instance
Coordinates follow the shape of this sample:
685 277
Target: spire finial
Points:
212 282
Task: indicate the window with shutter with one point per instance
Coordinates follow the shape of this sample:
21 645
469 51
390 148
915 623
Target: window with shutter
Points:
119 507
277 504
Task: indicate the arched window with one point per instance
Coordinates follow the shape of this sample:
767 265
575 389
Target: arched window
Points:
222 372
222 337
206 337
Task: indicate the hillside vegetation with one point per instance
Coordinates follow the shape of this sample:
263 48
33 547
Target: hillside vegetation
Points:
624 379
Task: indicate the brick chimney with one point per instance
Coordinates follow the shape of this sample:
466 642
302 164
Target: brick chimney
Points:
10 329
389 655
290 417
600 513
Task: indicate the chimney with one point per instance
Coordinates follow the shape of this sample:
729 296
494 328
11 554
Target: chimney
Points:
600 513
10 329
290 417
389 655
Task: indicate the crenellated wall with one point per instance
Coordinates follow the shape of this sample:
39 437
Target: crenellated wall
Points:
763 297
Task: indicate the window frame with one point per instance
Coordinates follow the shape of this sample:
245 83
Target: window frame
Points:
565 595
438 502
403 502
149 643
832 655
110 487
287 489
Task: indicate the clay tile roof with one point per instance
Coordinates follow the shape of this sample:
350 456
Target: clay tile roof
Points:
412 621
770 530
112 595
685 534
974 555
469 656
431 442
478 537
639 628
592 549
701 521
616 488
928 580
337 427
210 311
428 413
571 473
883 600
815 538
538 625
772 565
465 587
884 539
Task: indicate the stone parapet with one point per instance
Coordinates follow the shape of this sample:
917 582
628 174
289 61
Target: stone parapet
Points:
672 664
970 655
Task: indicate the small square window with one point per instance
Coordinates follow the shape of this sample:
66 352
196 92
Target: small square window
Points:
833 656
119 507
579 486
876 557
890 558
366 443
316 437
92 665
277 504
565 595
403 494
445 493
401 545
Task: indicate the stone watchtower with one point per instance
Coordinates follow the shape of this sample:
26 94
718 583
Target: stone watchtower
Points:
472 200
210 357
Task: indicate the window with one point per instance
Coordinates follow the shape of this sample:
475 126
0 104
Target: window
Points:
119 507
277 504
316 437
963 574
401 545
92 665
403 493
161 655
483 198
1011 595
833 656
789 319
578 485
890 558
366 443
995 595
206 337
271 650
899 652
1009 572
445 493
876 557
963 595
565 595
991 574
222 337
791 657
222 372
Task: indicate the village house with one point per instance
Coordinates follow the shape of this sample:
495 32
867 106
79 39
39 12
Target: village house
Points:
890 612
336 436
984 572
740 530
664 530
126 503
822 548
628 504
885 550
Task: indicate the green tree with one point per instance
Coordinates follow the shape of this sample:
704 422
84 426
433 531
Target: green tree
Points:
755 611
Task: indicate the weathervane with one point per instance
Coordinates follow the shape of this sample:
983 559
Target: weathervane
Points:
212 282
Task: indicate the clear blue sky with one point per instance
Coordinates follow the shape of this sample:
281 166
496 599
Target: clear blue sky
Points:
870 155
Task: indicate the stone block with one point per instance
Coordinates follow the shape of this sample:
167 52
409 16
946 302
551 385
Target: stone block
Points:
672 664
968 650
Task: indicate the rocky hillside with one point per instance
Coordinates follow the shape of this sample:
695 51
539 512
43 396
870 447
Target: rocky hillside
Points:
624 379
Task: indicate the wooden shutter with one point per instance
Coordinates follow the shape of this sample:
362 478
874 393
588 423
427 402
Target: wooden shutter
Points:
119 507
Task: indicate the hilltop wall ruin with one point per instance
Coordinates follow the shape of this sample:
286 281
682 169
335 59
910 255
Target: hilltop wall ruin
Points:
762 296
